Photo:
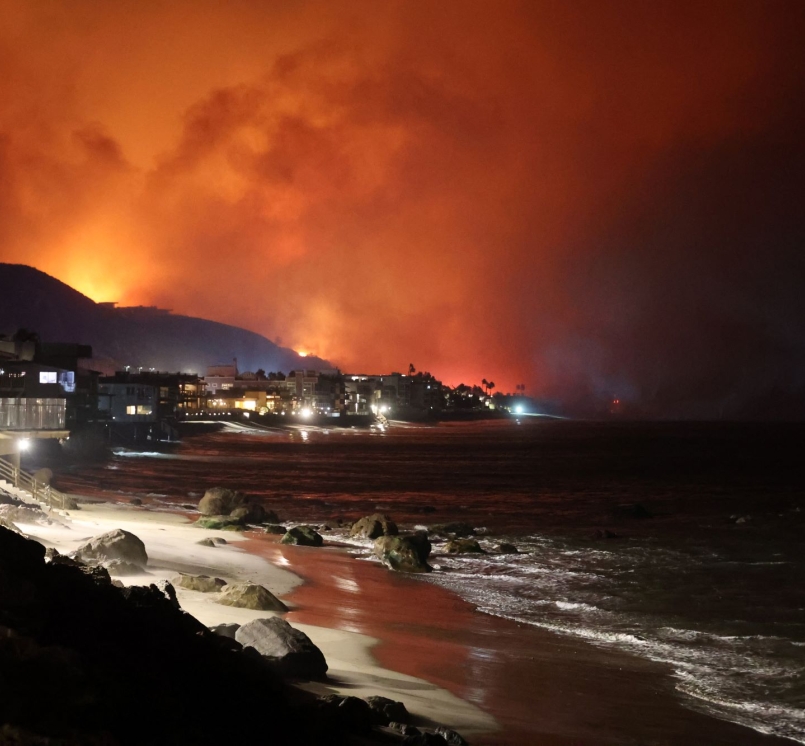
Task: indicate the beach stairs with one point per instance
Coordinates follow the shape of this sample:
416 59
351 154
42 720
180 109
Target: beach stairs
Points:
26 487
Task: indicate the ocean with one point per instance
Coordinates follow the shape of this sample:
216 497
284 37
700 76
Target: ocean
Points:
677 542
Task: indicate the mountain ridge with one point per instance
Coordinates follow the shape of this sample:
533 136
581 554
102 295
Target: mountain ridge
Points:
135 335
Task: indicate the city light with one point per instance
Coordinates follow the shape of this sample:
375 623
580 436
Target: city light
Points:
306 412
24 444
519 409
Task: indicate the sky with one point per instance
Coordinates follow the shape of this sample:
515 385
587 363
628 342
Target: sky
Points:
597 200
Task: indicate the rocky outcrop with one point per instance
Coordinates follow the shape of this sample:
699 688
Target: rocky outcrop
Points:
451 737
404 553
250 596
373 526
463 546
303 536
289 650
113 545
347 713
274 528
91 650
200 583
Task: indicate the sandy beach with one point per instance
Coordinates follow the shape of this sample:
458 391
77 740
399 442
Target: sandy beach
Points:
172 545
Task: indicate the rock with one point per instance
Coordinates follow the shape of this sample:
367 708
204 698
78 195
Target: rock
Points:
463 546
372 526
51 553
273 528
219 540
206 542
633 510
506 548
135 501
9 526
122 568
604 533
220 523
250 596
289 650
220 501
349 713
458 528
200 583
386 711
24 514
226 630
303 536
405 729
253 513
113 545
404 553
168 591
452 738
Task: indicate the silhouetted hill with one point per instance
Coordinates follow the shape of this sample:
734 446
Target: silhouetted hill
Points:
144 337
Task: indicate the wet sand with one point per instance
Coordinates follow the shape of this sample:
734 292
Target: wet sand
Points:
543 689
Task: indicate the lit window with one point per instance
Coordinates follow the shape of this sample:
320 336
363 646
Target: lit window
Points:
141 409
131 409
48 376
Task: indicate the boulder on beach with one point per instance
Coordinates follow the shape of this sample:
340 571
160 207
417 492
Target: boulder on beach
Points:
250 596
506 548
372 526
463 546
24 514
404 553
288 649
274 528
303 536
200 583
220 501
113 545
206 542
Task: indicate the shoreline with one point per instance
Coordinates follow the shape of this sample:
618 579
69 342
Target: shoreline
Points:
498 682
171 543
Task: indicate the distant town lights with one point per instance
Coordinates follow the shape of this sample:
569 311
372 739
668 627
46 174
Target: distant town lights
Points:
306 412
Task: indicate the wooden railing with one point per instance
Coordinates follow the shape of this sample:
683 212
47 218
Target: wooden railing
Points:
40 491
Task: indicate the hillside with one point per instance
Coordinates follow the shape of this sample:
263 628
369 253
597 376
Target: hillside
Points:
36 301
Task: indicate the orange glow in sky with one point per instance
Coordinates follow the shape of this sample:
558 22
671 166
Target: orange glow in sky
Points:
381 183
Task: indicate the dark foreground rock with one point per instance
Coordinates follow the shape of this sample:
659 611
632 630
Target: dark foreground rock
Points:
303 536
221 523
372 526
113 545
290 651
103 649
404 553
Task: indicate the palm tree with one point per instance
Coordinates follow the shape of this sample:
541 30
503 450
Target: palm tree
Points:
485 384
411 369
